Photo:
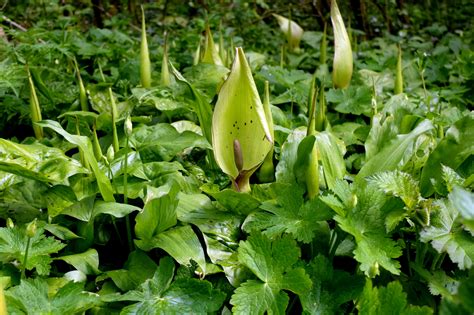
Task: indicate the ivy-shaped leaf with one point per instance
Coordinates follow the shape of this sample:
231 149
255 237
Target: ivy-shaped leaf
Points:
273 264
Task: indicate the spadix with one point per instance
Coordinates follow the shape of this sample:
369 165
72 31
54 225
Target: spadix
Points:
241 136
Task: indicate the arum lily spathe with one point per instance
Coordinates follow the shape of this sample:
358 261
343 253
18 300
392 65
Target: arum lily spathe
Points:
241 136
145 65
292 30
211 53
342 63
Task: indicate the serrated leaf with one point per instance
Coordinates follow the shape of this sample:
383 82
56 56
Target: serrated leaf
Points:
446 235
31 297
387 300
255 297
13 244
183 296
330 289
286 212
398 184
273 263
366 222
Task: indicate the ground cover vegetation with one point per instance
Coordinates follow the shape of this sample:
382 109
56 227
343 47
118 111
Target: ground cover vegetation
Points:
247 157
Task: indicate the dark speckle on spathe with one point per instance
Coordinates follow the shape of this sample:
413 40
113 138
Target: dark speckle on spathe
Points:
245 124
251 121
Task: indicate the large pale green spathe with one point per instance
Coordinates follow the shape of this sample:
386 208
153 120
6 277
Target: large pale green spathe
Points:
342 63
241 136
292 30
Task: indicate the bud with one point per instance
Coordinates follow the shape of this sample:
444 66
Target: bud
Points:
399 75
128 127
293 31
145 66
241 136
165 72
342 63
31 229
35 110
10 223
211 55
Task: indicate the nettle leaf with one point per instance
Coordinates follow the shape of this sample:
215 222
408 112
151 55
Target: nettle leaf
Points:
331 287
286 212
159 295
398 184
13 245
273 264
352 100
32 296
446 234
366 222
387 300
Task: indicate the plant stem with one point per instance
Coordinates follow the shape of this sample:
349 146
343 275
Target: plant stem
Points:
125 196
25 260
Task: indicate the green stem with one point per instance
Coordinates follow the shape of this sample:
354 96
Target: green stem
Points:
125 196
25 260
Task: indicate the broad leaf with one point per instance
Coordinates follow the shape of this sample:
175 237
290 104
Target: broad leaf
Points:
87 262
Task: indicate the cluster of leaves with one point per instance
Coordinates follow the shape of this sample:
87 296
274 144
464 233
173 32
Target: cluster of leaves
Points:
149 225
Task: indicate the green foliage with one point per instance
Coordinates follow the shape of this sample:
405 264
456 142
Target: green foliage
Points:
120 207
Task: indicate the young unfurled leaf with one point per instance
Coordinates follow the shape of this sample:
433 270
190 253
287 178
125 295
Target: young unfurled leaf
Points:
292 30
342 63
35 109
145 66
240 129
211 55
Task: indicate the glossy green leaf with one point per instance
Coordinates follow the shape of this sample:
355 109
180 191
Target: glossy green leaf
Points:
86 262
391 155
86 146
452 151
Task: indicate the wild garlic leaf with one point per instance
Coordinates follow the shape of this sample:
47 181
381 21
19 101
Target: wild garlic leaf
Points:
387 300
331 287
286 212
398 184
447 235
13 244
273 264
366 222
159 295
32 296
